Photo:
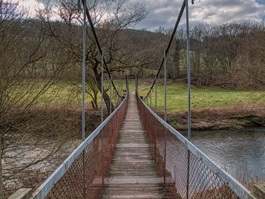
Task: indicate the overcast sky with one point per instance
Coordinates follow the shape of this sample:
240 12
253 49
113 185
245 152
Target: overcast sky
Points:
164 12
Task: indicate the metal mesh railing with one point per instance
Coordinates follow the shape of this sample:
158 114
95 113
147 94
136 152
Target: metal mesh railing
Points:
82 174
184 167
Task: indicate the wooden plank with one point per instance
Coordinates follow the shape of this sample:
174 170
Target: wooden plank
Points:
133 173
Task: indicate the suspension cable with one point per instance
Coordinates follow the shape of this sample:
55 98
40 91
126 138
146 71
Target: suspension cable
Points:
99 47
169 44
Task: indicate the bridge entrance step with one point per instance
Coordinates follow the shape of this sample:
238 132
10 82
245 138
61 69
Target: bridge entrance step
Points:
133 173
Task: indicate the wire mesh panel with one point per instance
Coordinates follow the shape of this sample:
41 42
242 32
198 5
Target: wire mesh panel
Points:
157 134
82 174
188 173
204 183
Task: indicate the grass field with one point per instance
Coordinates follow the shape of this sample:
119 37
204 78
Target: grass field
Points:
58 93
63 92
177 97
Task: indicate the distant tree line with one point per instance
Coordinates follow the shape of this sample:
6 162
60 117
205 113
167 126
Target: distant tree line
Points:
231 55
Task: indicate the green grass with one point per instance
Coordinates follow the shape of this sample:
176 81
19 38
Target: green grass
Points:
58 93
63 92
177 99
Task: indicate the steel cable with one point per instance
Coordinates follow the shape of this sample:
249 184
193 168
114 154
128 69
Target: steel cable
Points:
99 47
169 45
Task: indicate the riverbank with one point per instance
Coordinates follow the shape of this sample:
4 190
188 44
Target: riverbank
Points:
232 117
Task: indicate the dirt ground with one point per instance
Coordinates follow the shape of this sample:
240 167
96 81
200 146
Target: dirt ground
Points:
233 117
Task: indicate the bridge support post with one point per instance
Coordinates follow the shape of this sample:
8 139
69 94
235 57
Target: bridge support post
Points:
110 95
188 176
137 82
188 69
102 87
189 95
156 94
165 86
84 74
151 99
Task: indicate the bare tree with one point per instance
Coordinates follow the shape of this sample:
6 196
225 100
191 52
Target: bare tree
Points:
249 61
196 35
12 68
109 18
25 78
226 54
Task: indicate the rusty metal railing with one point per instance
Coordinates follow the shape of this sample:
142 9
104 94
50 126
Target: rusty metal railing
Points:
82 174
182 164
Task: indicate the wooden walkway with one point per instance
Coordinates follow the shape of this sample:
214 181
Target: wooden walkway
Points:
133 174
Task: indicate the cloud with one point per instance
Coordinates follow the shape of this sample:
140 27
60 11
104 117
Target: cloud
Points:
164 12
29 5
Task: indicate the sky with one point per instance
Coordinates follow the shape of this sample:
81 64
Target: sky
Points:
163 13
214 12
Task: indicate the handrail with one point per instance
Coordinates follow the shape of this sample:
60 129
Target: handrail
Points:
227 179
46 187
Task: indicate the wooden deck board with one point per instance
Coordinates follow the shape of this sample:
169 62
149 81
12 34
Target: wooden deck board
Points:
133 173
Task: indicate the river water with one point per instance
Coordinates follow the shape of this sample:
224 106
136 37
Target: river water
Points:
240 152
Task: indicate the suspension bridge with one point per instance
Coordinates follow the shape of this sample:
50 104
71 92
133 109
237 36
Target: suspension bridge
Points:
136 154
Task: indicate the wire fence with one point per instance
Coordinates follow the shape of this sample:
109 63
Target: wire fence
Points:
82 174
182 164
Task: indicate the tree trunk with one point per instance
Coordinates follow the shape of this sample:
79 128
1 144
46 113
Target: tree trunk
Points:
105 95
198 69
177 57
